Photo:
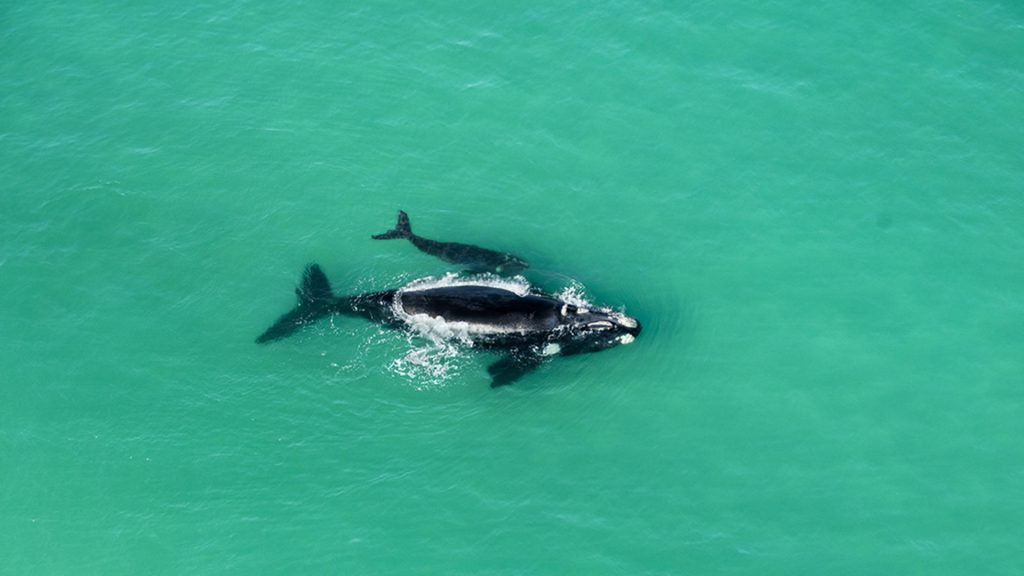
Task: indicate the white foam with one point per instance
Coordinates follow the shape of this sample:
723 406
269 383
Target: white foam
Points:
430 365
518 285
438 329
575 294
624 320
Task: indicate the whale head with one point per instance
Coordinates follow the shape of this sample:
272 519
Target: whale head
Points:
594 329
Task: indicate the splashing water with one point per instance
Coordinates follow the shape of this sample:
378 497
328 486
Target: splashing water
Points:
575 294
429 366
441 357
437 360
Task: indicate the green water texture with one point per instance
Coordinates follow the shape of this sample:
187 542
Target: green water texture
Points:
817 211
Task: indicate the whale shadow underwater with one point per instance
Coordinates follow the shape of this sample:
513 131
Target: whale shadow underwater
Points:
526 324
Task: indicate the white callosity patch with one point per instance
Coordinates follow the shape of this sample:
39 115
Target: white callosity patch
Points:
623 320
626 339
551 350
575 295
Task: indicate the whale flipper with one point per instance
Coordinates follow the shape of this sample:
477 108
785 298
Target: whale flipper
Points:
513 366
315 301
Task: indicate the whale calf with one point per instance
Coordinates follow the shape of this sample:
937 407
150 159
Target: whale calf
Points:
479 259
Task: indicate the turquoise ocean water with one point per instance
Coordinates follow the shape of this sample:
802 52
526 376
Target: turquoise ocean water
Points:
816 211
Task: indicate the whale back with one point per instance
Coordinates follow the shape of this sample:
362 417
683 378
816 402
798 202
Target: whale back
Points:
490 308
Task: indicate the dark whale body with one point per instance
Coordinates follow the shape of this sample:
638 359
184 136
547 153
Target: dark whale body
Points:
486 306
477 258
527 327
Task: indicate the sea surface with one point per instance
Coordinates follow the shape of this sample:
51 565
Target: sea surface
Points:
816 210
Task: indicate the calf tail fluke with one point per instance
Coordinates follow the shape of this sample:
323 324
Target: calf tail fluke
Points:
401 230
315 302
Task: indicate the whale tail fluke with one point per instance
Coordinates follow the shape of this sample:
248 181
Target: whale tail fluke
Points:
316 300
401 230
315 289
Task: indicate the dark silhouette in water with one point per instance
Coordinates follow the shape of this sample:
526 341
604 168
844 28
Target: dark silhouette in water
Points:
478 259
316 300
529 326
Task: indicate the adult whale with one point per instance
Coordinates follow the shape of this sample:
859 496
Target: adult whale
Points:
526 324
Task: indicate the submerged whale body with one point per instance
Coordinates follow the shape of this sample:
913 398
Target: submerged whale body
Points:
477 258
527 324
